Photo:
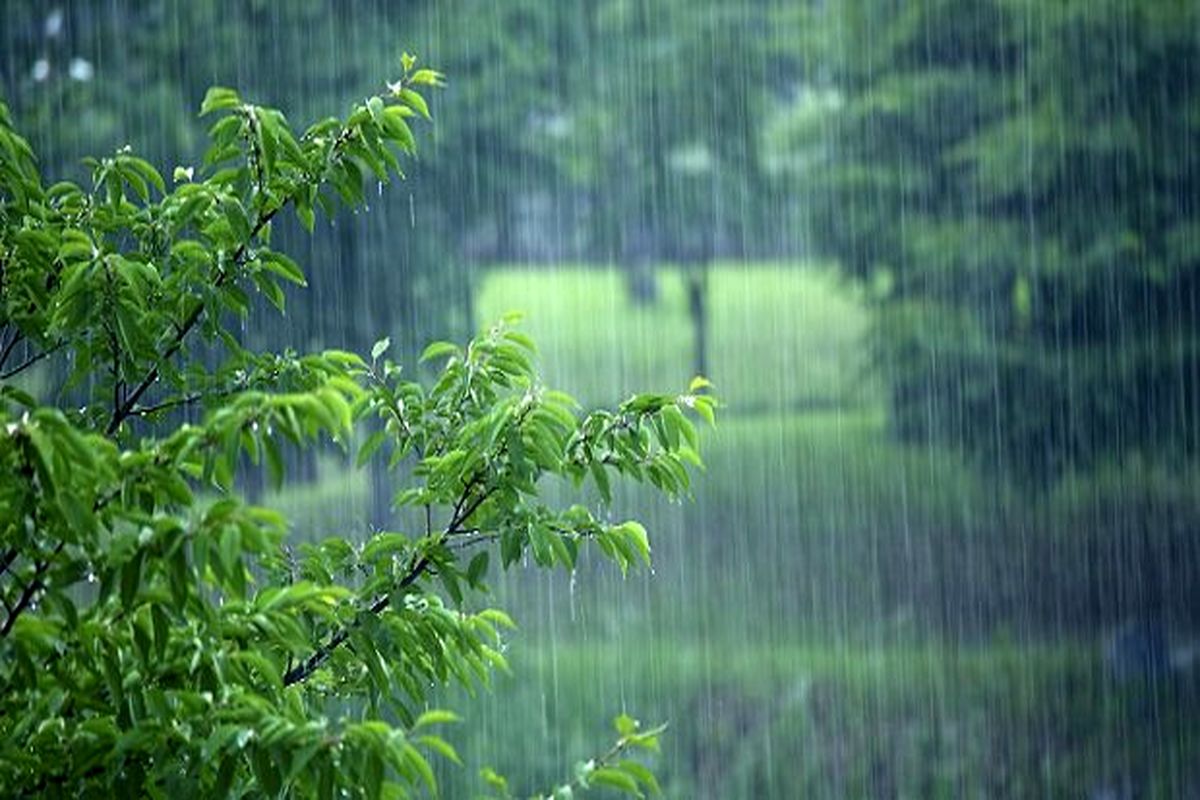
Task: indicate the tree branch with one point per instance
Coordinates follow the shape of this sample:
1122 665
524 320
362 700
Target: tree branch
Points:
30 591
122 413
471 541
239 256
29 362
304 670
459 519
184 400
619 747
8 558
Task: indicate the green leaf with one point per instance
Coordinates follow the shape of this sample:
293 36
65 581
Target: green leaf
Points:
413 758
477 568
282 266
306 216
380 347
415 101
146 171
495 780
641 774
615 779
704 407
498 617
601 479
427 77
436 716
218 98
162 630
131 579
439 350
370 446
441 747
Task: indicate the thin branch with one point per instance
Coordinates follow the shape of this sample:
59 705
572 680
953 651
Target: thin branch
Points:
466 493
9 557
457 521
471 541
184 400
113 342
30 591
464 508
29 362
619 747
308 666
122 413
189 322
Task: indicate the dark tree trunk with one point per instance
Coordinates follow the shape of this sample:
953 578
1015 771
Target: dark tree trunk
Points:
697 291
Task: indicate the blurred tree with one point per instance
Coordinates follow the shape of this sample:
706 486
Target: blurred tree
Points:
621 131
669 140
1017 181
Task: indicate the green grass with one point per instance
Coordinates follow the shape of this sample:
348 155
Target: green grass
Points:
336 504
809 524
787 719
781 336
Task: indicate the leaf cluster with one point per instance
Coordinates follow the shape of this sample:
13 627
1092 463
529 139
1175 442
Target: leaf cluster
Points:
162 637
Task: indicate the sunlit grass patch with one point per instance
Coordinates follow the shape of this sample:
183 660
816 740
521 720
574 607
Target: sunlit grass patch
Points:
784 336
336 503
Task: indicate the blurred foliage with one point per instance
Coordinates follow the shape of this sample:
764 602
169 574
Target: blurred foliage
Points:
1018 180
1012 179
159 636
620 128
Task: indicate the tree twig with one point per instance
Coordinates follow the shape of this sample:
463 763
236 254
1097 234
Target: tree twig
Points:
619 747
181 332
30 591
471 541
29 362
9 557
185 400
304 670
